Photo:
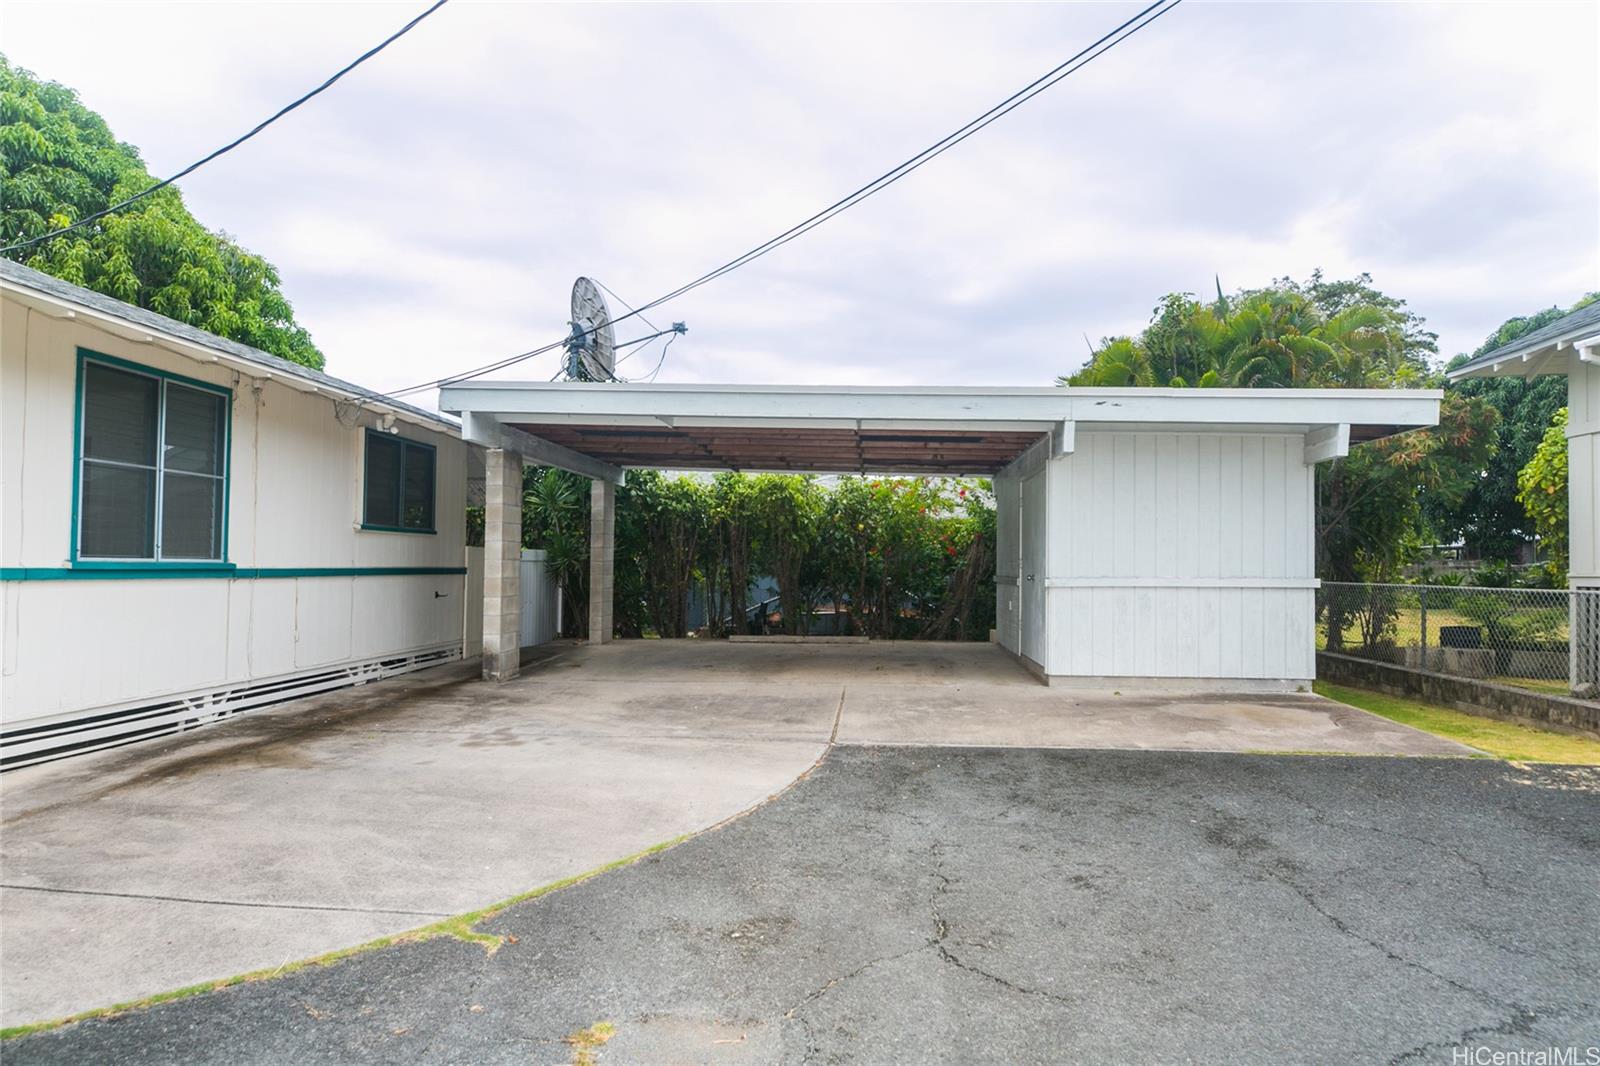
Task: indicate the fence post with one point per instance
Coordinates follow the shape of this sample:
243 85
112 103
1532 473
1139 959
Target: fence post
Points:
1423 599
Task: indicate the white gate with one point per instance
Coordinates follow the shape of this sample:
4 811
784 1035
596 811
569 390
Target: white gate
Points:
539 600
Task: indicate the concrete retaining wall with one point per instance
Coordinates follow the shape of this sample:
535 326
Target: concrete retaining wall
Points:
1484 698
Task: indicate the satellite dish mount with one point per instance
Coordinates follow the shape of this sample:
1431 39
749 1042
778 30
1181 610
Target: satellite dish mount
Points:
591 348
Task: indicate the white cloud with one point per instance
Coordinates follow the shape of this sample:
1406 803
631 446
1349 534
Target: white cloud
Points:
430 211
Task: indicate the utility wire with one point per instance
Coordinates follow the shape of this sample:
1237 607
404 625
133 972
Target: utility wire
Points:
231 145
1050 78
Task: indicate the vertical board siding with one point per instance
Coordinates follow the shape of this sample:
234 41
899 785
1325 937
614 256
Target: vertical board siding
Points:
1162 509
1007 561
1583 471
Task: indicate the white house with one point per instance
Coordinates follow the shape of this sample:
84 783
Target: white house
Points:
1154 537
190 527
1569 346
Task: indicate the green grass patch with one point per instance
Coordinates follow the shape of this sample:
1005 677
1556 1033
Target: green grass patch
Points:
461 927
1503 740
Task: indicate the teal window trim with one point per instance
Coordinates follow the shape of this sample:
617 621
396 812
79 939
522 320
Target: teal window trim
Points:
136 572
86 356
406 445
368 527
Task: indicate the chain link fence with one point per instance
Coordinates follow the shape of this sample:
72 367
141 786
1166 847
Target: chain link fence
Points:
1547 640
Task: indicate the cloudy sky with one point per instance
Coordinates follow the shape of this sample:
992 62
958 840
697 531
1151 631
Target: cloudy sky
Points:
430 212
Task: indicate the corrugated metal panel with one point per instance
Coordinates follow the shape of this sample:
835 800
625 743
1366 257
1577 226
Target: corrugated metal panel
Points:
539 593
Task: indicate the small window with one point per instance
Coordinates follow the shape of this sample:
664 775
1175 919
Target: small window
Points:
152 467
398 485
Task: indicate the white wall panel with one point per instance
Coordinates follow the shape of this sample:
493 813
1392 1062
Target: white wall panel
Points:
1008 561
1181 555
87 643
403 613
1583 471
322 620
270 639
1172 632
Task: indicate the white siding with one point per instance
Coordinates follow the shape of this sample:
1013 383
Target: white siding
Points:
1181 555
1007 557
294 504
1583 472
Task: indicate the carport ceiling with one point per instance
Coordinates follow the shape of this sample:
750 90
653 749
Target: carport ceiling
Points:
911 451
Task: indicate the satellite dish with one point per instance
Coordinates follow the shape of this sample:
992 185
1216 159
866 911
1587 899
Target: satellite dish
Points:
592 348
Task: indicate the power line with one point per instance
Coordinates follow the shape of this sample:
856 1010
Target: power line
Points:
1050 78
231 145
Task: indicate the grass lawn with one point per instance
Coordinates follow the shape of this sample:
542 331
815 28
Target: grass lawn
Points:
1503 740
1550 688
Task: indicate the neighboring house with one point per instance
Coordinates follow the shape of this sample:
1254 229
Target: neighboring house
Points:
190 527
1569 346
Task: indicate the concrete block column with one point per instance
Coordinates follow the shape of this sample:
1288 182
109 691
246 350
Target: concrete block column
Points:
502 570
602 558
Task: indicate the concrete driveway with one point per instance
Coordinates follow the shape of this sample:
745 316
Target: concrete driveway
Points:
332 821
1000 905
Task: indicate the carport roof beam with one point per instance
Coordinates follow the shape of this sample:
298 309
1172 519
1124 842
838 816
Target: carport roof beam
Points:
942 429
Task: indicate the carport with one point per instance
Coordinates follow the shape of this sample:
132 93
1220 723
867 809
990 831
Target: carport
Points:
1144 535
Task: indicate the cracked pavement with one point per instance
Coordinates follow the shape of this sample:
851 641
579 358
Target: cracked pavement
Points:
1017 905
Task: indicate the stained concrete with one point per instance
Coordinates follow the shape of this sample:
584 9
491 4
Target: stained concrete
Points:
330 821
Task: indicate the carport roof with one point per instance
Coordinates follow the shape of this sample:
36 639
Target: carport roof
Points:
600 429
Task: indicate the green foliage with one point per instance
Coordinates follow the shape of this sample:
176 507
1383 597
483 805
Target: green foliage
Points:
555 517
1322 334
895 557
1490 518
1292 334
1542 490
911 557
785 511
59 163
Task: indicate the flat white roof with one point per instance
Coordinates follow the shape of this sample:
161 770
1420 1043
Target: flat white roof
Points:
600 428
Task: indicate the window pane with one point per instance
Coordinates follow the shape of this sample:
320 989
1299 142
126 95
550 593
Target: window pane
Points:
419 488
117 512
191 517
382 481
194 430
119 415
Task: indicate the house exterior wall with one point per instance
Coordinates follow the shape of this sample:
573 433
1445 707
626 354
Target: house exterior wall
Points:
1583 472
1583 518
310 588
1007 562
1178 556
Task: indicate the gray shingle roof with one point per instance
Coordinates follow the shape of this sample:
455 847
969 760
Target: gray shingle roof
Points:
138 316
1582 322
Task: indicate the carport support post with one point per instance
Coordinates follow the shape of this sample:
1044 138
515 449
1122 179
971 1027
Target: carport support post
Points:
602 558
502 564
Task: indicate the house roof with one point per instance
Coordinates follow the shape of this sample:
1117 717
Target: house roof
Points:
1541 352
56 297
600 429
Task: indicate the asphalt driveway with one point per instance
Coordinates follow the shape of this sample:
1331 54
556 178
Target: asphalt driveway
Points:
985 905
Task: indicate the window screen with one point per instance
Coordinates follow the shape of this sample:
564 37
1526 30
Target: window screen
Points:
153 468
399 484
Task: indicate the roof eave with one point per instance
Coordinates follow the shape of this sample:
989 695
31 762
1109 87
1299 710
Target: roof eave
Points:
145 329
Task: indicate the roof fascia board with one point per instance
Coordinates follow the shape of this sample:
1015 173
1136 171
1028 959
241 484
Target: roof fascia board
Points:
1327 442
141 334
1048 407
